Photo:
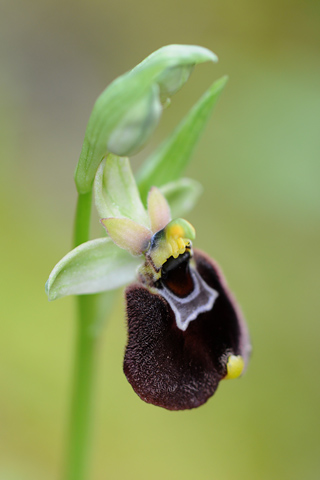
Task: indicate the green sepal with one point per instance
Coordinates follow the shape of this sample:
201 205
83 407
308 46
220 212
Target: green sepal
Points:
94 266
103 305
168 162
137 87
178 62
137 124
116 193
182 195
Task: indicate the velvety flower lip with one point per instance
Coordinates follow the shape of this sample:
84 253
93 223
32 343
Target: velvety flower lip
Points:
179 368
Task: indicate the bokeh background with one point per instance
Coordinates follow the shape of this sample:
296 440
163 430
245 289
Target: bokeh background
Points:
259 217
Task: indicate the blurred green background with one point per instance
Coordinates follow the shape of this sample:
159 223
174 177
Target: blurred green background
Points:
259 217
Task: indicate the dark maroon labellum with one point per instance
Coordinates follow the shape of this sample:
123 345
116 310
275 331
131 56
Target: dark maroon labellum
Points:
181 333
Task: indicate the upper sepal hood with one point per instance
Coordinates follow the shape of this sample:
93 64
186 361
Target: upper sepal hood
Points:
180 369
127 112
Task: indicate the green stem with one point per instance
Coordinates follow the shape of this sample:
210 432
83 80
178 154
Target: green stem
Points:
81 404
82 221
84 368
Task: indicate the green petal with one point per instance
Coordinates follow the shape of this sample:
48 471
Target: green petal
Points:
116 193
168 162
158 209
182 195
128 234
113 112
92 267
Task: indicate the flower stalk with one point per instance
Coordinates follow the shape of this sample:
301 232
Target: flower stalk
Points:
78 451
78 448
82 219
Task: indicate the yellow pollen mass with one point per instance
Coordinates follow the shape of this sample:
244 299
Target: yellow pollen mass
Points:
175 249
235 366
171 241
175 231
181 245
177 246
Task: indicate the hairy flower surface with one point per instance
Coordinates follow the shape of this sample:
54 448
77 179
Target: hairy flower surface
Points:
178 365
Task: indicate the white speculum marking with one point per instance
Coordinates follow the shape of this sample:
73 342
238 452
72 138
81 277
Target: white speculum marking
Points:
186 309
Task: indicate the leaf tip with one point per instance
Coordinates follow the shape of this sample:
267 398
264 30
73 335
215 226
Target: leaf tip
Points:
51 296
219 84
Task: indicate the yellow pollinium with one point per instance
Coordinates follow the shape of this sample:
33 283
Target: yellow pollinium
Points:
235 366
177 246
177 236
175 231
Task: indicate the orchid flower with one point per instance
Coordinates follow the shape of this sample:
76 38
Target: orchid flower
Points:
185 330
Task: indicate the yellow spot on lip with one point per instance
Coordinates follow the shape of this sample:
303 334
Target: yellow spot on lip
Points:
235 366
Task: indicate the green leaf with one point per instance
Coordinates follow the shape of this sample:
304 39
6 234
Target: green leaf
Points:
168 162
116 193
182 195
92 267
114 111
